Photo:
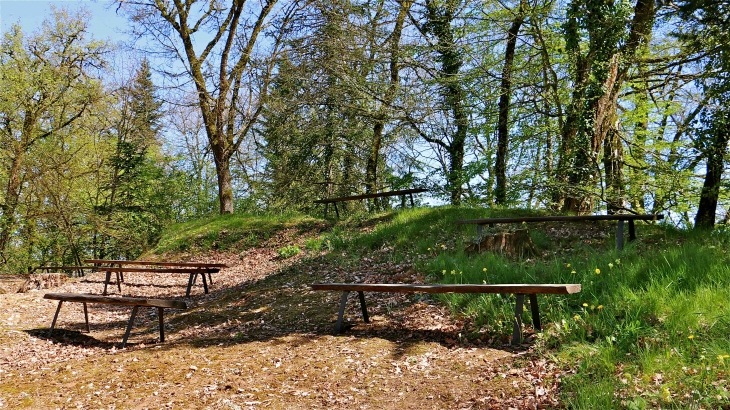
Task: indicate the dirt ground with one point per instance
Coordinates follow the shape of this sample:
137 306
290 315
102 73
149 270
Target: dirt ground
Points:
260 339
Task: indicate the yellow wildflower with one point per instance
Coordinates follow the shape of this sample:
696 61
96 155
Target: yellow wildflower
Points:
576 317
572 271
598 271
690 337
585 305
599 307
567 266
484 269
610 265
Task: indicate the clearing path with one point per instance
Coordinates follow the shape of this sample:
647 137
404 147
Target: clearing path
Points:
260 339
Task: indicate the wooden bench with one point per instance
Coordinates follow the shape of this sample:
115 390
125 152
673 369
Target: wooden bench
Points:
520 290
615 217
136 303
402 192
191 268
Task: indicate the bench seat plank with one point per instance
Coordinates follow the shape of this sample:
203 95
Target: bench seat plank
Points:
519 290
116 300
136 303
562 218
554 289
367 196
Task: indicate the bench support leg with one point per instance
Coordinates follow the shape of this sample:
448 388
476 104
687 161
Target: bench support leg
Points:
129 325
162 324
86 318
190 284
119 282
632 231
53 324
364 307
341 315
517 330
205 282
620 235
535 313
106 281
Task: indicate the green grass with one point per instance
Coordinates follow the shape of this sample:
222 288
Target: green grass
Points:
225 231
648 330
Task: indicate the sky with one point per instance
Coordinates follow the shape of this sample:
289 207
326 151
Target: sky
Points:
105 24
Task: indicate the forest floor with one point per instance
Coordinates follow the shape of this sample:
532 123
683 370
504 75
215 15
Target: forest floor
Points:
262 339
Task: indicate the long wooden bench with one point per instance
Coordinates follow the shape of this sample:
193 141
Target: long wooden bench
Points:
136 303
519 290
402 192
571 218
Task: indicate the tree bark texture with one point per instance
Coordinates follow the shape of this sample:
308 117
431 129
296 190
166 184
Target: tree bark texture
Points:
592 117
505 95
371 171
439 23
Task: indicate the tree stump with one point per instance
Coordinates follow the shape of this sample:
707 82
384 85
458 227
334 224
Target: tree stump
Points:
515 244
39 281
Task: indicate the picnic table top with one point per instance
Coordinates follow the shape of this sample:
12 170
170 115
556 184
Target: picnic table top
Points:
376 195
559 218
153 263
189 269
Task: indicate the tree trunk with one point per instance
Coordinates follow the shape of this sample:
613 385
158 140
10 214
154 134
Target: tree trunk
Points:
9 207
706 211
500 191
371 172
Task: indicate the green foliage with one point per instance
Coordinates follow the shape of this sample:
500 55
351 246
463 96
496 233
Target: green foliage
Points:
288 251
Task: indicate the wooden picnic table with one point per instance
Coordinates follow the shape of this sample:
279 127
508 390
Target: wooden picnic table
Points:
191 268
572 218
334 201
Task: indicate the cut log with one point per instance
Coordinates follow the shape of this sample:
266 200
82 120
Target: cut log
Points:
37 281
517 244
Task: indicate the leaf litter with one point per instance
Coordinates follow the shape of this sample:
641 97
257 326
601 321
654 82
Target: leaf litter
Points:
261 339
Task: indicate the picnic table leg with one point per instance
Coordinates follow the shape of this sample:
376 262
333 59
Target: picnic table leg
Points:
517 330
535 313
325 210
162 324
129 325
340 316
205 283
53 324
106 281
632 231
480 228
210 278
119 283
364 307
336 210
190 283
620 235
86 318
